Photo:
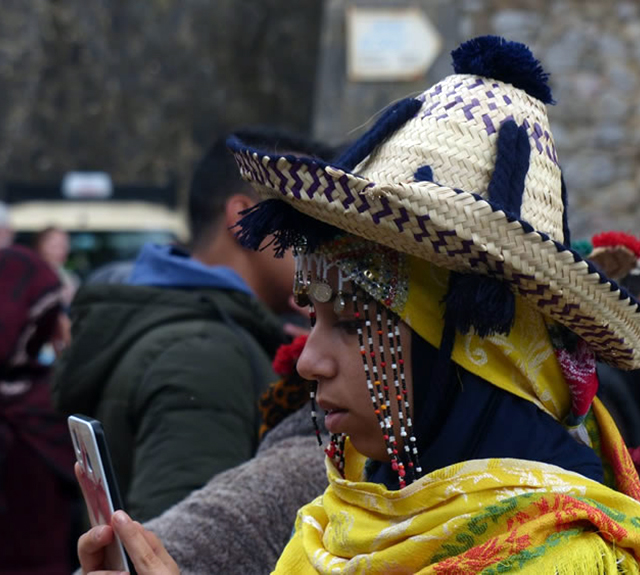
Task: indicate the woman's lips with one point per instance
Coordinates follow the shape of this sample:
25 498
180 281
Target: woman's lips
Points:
333 419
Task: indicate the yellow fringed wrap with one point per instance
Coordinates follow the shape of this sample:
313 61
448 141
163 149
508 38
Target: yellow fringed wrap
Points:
484 516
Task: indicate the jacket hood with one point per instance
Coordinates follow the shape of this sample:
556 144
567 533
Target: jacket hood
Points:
168 266
109 319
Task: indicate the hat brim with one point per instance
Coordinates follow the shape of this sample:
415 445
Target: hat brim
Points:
460 231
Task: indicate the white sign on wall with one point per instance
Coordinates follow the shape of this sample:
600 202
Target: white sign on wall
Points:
390 44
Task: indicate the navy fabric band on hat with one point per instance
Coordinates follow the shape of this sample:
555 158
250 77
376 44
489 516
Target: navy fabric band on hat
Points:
393 117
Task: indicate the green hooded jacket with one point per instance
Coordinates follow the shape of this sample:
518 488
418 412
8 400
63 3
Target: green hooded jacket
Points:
174 376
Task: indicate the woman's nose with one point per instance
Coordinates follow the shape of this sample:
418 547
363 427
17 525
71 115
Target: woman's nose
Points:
315 362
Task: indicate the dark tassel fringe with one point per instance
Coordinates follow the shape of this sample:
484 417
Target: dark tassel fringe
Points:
484 303
506 187
289 228
499 59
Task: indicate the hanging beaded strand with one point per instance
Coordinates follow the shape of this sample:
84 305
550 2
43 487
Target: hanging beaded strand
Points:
404 416
314 414
386 421
376 399
398 367
390 434
397 464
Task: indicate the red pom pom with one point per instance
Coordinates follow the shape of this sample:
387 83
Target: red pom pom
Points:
284 363
613 239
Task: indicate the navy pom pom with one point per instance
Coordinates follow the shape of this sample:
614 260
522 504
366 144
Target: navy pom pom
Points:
288 226
511 62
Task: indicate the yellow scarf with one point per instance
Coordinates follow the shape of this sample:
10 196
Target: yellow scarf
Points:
483 516
522 363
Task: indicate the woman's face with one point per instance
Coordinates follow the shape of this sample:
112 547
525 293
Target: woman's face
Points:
54 247
332 357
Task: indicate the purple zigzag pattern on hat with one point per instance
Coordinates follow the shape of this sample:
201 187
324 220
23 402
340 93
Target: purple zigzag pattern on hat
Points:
579 319
331 187
429 110
364 204
283 179
297 181
467 108
465 249
488 124
537 134
568 308
603 334
457 100
344 184
384 212
250 168
242 164
520 279
481 258
311 190
403 219
442 239
420 220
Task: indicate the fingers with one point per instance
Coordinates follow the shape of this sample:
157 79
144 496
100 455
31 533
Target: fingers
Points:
157 546
149 559
91 547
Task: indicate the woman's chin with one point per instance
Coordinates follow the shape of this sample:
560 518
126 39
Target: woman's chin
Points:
371 450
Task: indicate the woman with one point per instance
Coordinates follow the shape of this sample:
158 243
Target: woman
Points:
454 341
38 496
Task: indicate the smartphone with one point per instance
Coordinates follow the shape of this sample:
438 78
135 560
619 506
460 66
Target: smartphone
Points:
98 482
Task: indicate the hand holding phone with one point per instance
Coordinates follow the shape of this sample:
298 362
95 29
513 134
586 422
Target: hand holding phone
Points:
98 482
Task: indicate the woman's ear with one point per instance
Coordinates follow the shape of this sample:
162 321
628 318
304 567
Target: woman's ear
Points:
234 205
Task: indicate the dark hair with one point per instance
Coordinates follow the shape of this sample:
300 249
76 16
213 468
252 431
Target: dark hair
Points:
216 177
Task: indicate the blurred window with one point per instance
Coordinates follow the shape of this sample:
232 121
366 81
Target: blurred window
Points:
90 250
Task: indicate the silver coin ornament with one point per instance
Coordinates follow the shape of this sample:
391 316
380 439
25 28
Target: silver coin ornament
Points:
320 291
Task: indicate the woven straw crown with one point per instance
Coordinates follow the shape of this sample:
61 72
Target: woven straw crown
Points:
455 133
421 180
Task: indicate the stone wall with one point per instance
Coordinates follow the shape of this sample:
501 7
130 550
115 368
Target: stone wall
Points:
140 88
592 50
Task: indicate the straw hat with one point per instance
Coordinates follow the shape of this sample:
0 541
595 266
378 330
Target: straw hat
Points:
466 176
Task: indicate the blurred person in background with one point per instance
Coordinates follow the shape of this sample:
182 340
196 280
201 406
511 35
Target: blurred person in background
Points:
52 245
617 254
260 497
37 489
6 231
173 363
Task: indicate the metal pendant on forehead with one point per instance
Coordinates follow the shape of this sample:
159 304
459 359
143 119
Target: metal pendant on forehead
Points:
339 304
320 291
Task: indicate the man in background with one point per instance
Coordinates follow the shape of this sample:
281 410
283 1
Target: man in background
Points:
173 362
